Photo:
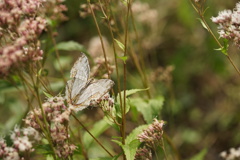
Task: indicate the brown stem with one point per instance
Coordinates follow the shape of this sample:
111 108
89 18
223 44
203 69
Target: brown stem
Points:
100 36
57 54
91 134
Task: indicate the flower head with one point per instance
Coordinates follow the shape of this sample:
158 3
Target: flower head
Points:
229 23
152 136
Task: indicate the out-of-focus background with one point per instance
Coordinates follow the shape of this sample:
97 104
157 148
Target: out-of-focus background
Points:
200 86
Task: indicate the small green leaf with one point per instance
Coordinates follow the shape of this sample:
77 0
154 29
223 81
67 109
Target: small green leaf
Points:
203 24
120 44
201 155
130 92
225 47
47 94
123 58
43 72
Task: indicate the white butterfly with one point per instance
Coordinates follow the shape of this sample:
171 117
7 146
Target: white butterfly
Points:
81 90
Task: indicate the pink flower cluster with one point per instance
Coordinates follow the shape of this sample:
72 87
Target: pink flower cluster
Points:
143 154
229 23
20 27
57 116
153 134
21 23
54 10
22 142
151 137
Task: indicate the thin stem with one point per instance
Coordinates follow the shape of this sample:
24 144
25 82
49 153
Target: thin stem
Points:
201 14
36 89
57 54
100 36
168 139
124 73
82 146
141 67
116 64
163 147
91 134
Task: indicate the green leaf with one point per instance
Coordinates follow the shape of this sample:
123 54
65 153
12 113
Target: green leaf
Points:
128 93
47 94
70 46
49 157
130 149
133 135
131 142
203 24
201 155
142 107
98 128
120 44
149 109
123 58
105 158
225 47
156 105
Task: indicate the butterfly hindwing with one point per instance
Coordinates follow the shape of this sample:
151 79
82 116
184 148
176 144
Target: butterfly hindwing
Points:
95 90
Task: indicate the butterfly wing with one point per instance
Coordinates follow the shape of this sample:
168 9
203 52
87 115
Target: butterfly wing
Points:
80 74
81 69
94 90
73 88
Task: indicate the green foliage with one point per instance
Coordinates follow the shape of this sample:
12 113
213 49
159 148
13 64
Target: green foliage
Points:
150 109
98 128
200 156
120 44
131 142
128 93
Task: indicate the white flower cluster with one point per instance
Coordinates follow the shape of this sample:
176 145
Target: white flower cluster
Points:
233 154
229 24
21 143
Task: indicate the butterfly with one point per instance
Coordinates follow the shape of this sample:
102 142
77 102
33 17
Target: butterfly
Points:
81 90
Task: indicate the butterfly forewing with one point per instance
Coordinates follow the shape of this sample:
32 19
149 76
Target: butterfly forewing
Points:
81 69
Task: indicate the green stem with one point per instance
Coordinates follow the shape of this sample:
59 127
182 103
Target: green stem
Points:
210 31
116 64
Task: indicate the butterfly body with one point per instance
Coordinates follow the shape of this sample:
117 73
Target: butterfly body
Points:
81 90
